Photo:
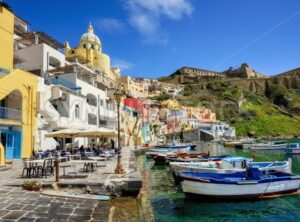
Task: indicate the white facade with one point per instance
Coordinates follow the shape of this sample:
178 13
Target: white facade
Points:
68 102
40 57
218 130
194 123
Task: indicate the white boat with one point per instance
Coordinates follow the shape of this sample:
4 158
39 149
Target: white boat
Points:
272 145
293 148
240 185
229 165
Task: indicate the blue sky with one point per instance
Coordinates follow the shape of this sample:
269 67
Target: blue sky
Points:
152 38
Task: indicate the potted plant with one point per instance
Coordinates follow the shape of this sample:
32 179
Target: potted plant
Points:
36 186
32 185
27 185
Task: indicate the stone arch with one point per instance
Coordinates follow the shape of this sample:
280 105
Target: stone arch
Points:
11 106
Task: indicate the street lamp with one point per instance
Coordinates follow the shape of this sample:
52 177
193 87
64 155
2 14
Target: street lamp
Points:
118 95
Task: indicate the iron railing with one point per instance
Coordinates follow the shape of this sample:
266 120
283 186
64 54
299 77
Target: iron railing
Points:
10 114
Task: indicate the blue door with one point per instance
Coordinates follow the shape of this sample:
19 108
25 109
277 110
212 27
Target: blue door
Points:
17 145
9 146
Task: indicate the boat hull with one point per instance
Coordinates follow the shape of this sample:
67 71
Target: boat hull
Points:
173 147
241 197
239 191
294 151
177 167
266 146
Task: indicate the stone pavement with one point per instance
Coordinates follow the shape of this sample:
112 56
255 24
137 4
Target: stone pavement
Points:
19 205
104 181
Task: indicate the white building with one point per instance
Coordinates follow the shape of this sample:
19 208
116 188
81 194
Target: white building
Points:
35 51
70 94
218 130
69 102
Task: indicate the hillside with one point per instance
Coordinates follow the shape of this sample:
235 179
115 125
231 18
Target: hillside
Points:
257 106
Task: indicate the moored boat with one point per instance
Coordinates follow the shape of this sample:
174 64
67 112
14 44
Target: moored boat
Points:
163 158
230 165
239 185
293 148
271 145
176 145
201 159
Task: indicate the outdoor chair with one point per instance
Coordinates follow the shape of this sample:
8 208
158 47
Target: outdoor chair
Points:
46 169
88 167
28 168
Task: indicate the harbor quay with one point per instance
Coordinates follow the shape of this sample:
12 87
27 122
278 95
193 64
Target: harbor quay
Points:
51 203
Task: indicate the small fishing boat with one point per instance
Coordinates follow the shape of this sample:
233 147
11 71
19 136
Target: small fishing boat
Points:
175 144
272 145
196 160
293 148
230 165
154 152
239 185
163 158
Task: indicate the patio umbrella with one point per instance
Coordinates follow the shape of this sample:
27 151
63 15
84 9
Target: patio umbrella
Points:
65 133
98 132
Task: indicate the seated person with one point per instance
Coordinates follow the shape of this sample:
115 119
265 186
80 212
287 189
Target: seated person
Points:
96 151
88 149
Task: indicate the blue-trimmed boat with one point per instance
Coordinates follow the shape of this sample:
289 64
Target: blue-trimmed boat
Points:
251 184
229 165
293 148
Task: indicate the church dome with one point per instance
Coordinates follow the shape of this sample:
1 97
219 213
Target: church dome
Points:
90 36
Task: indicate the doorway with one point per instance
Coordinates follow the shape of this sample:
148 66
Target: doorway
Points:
11 140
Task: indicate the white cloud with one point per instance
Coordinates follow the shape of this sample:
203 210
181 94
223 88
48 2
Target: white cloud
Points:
109 25
121 64
145 16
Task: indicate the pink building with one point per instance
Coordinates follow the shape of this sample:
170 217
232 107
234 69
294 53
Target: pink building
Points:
138 105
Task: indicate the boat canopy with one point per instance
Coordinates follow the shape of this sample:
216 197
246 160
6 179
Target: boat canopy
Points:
236 159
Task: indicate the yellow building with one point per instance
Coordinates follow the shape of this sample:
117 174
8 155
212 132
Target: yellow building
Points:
134 88
89 53
17 98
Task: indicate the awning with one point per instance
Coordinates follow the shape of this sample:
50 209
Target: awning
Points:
98 132
65 133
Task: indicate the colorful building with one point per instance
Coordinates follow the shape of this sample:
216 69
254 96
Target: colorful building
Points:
133 87
141 113
17 98
89 53
138 105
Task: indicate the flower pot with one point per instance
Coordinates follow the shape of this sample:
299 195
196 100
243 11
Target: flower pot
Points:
36 188
27 186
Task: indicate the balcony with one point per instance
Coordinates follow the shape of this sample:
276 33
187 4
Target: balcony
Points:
62 82
10 114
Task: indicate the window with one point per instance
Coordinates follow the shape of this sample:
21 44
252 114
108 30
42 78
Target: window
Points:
102 122
84 46
77 112
72 51
101 102
92 46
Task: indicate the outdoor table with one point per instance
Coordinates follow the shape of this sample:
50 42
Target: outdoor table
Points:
98 159
35 162
64 165
89 162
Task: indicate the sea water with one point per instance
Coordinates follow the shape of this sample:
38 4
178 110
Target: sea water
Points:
169 203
